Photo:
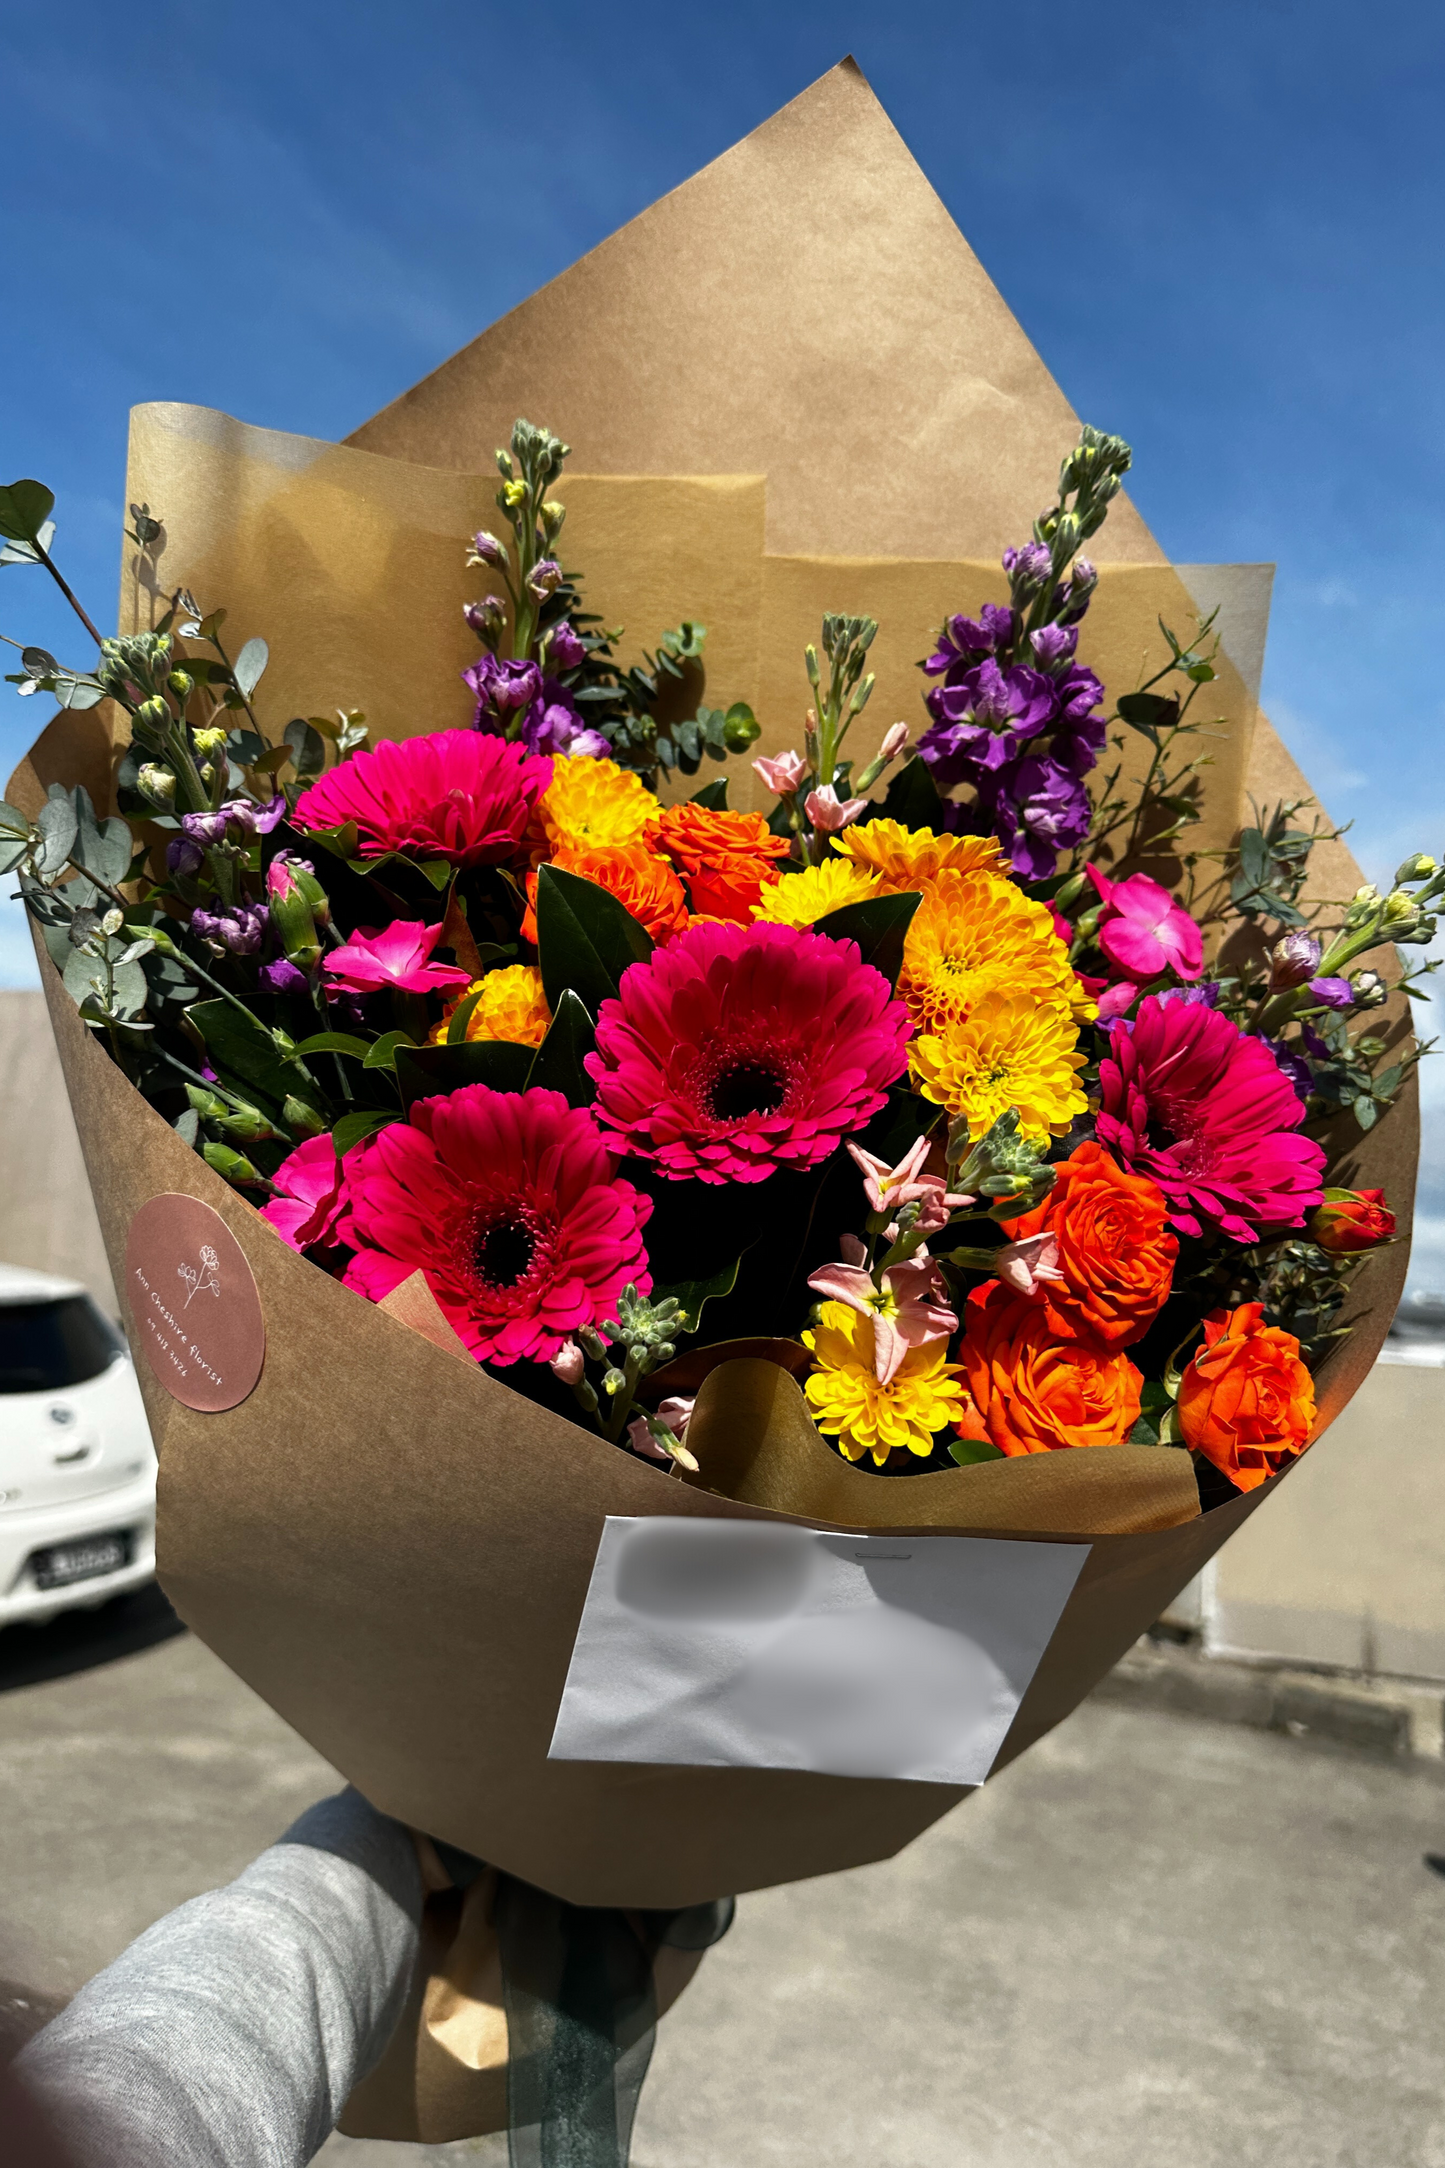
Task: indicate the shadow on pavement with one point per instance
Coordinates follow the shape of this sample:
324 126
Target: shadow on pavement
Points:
79 1640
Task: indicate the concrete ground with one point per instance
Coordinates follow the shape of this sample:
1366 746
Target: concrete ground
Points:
1157 1938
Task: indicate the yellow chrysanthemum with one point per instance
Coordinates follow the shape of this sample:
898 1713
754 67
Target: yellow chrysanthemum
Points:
801 899
512 1006
1012 1051
848 1403
904 858
973 933
593 802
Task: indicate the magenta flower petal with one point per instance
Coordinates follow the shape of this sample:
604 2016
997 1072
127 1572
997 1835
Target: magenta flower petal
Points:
509 1203
312 1203
462 795
394 956
1203 1110
739 1049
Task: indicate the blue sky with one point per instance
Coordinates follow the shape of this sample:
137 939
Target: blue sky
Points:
1220 226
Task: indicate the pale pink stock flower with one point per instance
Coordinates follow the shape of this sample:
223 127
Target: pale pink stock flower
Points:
568 1364
1023 1265
828 812
854 1251
782 774
894 740
890 1188
905 1309
393 956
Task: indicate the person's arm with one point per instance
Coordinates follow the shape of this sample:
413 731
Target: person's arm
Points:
230 2034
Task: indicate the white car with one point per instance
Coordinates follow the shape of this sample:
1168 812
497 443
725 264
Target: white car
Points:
77 1467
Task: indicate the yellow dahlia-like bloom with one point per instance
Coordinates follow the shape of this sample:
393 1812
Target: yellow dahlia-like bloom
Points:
849 1404
592 802
512 1006
973 933
906 858
1013 1050
801 899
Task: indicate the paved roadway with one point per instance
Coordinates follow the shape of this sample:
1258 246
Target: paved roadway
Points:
1154 1940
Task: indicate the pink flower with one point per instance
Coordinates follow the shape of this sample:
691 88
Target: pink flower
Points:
462 795
509 1203
1143 931
1207 1114
1027 1264
890 1188
782 775
828 812
569 1363
394 956
313 1203
895 737
674 1413
738 1049
905 1307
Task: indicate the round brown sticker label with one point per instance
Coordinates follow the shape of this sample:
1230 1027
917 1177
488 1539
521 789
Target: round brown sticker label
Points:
194 1301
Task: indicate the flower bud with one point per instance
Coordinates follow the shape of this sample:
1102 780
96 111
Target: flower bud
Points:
233 1167
1029 568
782 773
1293 960
513 494
568 1363
553 515
290 887
894 740
112 922
1416 868
1350 1220
185 857
209 741
544 578
153 714
301 1120
486 550
1370 990
487 618
157 786
1398 906
182 684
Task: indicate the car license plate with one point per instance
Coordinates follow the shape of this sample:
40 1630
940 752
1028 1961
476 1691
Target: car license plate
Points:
62 1563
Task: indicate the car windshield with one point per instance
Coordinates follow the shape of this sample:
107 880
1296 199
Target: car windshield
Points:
45 1346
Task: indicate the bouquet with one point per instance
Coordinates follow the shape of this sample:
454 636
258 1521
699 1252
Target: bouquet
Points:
955 1127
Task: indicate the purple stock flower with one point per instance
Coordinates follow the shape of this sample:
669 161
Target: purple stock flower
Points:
184 856
565 650
964 641
1036 810
1292 1066
1317 1048
1053 644
284 977
1334 993
243 814
981 716
1293 959
554 724
502 688
1030 566
205 828
1204 995
239 927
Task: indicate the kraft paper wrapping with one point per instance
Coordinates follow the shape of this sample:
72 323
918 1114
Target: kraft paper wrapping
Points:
392 1547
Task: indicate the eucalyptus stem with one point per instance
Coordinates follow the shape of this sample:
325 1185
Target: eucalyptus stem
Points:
65 588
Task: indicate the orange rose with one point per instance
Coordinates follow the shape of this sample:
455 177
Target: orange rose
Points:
1029 1391
727 859
1115 1252
1246 1402
1352 1219
643 884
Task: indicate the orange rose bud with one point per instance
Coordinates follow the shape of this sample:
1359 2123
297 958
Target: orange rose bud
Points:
727 859
1246 1402
644 884
1352 1219
1115 1252
1029 1391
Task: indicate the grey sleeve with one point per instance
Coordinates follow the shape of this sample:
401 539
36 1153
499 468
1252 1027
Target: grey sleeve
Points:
230 2034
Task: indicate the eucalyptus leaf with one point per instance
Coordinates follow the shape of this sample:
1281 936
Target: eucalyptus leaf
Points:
187 1126
28 553
558 1063
879 925
24 509
585 939
103 848
248 666
58 829
308 747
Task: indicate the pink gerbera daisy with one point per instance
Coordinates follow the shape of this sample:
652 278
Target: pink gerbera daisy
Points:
458 794
738 1049
1206 1112
509 1203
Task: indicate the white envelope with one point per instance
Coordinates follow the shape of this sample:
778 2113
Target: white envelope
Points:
743 1644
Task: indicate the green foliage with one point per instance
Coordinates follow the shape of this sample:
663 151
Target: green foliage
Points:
879 925
558 1063
585 939
427 1072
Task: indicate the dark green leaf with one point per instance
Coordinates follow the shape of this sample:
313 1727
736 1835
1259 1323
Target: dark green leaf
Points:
690 1295
1149 713
24 509
308 747
352 1128
1253 857
558 1063
429 1072
460 1017
969 1451
585 939
383 1054
438 871
240 1045
1145 1432
333 1042
912 798
879 926
713 795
